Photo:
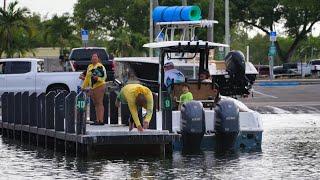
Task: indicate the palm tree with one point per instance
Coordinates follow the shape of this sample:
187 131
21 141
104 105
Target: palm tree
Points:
14 30
59 32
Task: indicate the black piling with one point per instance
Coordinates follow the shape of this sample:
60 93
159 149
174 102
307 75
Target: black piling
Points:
70 102
80 120
50 110
4 102
41 110
125 114
59 111
153 122
17 108
114 116
33 110
92 111
25 108
11 108
106 108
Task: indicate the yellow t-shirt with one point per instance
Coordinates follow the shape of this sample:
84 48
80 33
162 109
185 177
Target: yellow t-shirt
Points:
95 70
129 93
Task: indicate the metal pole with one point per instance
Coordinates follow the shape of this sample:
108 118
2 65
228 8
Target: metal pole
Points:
248 53
184 2
151 28
227 26
211 17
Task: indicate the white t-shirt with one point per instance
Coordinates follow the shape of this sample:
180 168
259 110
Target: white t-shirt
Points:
174 74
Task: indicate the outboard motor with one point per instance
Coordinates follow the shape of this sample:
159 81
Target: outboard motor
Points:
192 125
236 68
227 125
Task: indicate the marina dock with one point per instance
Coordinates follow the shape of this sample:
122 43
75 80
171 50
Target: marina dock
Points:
55 121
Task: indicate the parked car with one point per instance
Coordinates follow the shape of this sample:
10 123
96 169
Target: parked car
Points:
80 58
263 70
314 65
26 74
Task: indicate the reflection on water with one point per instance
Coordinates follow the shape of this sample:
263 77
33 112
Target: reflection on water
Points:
290 149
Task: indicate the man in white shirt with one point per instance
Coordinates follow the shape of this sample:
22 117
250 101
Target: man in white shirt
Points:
172 75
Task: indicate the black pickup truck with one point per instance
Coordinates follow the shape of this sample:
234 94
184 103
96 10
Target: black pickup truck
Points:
80 58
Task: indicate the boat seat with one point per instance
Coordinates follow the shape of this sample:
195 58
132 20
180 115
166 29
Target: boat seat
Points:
206 93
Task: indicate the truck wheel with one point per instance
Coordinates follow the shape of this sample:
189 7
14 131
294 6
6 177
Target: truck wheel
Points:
57 89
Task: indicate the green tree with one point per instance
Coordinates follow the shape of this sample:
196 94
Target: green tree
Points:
59 32
298 19
14 31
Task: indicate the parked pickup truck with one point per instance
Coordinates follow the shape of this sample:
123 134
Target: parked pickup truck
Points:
80 58
26 74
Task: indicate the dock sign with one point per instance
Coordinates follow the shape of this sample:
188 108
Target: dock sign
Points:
84 35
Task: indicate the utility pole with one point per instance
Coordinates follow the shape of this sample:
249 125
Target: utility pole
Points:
227 26
4 5
151 28
186 37
211 17
184 2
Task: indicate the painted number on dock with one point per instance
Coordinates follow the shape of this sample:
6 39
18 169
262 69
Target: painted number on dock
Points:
81 103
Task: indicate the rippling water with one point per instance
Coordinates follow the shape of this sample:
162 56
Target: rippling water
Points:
290 150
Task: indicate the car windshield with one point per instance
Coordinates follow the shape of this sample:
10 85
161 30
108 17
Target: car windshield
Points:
317 62
85 54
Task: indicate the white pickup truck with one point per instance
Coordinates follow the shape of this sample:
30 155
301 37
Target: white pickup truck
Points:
27 74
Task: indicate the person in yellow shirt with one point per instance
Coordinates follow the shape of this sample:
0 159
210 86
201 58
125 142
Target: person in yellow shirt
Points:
95 80
136 95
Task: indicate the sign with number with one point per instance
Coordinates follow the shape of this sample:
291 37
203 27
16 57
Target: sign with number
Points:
273 36
84 35
81 104
167 103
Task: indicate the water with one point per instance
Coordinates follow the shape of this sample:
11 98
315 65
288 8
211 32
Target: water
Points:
290 150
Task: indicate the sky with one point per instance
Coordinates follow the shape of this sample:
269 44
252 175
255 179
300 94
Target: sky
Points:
47 8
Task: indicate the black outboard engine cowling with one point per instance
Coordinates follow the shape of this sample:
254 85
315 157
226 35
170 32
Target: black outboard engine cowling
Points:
192 125
227 125
236 68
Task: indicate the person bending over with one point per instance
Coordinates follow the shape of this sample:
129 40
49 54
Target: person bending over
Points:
136 95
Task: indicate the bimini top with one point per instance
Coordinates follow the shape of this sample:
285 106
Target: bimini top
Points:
168 44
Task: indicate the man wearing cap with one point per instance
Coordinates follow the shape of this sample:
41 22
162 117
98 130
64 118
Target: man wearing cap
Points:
172 75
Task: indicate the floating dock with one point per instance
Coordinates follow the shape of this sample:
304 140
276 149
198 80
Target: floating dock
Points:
54 121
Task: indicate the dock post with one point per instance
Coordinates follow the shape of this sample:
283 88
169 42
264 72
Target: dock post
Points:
17 108
25 116
125 114
106 108
41 118
11 107
50 110
114 116
80 116
25 108
166 111
41 110
70 102
33 115
92 114
49 140
59 111
33 109
153 122
4 102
